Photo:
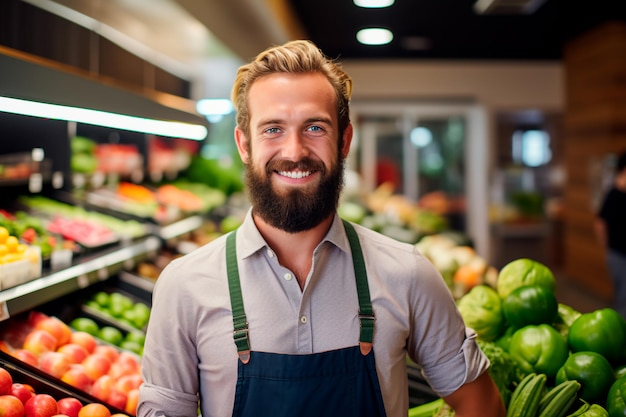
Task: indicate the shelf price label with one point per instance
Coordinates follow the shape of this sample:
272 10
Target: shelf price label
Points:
82 281
103 274
4 311
35 182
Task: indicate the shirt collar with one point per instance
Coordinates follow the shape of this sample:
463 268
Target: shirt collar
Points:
250 240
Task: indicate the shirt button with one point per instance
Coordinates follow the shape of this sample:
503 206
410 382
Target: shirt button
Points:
288 276
270 253
303 319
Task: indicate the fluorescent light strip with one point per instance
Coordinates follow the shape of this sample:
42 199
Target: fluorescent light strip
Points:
102 118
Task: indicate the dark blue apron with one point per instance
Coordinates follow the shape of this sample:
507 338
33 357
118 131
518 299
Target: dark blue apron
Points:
340 382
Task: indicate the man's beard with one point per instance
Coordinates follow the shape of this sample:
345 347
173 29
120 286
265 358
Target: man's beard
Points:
295 210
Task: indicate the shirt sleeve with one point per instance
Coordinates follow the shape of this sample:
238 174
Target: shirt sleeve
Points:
440 342
169 368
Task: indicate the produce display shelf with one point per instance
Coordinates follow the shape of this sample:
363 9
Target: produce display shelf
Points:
144 284
180 227
43 383
99 267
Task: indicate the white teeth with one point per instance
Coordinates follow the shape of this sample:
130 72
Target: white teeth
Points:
297 175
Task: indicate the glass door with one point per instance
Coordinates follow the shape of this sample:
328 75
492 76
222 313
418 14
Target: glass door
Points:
434 155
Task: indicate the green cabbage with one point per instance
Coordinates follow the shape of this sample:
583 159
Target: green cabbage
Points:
524 271
481 309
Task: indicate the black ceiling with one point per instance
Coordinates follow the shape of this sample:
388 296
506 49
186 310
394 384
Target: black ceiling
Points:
453 29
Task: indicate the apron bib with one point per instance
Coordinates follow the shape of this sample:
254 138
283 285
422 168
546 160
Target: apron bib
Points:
340 382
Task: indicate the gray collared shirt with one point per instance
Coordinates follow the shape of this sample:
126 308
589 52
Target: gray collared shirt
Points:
189 350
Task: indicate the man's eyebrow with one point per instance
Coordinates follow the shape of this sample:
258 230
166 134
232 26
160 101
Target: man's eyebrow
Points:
270 122
319 119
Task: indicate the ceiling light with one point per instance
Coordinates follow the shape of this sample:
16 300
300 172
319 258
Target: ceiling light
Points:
373 3
374 36
214 106
102 118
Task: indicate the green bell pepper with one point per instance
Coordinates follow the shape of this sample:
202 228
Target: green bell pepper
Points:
539 348
530 304
504 341
602 331
523 271
592 370
616 400
565 317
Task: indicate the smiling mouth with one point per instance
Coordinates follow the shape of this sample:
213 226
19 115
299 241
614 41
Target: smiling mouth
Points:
295 174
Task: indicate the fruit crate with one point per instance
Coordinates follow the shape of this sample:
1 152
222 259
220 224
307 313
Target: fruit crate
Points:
43 383
19 272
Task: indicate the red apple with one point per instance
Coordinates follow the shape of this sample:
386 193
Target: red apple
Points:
77 377
129 358
39 341
117 399
6 382
84 339
102 387
41 405
94 410
34 317
74 352
131 403
126 383
57 328
22 392
54 363
96 365
11 406
69 406
26 356
109 351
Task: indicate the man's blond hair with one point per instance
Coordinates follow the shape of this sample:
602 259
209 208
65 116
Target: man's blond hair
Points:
299 56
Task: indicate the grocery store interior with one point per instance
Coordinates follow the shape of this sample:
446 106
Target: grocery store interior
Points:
493 124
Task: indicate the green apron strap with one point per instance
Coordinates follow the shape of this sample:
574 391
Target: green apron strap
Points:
240 323
366 312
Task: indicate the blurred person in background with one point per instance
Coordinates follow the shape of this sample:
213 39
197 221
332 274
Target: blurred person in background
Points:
610 226
298 313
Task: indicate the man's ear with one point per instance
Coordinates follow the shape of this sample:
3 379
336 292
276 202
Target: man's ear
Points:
241 140
347 140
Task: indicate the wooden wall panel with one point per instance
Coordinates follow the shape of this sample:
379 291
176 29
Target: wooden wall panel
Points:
595 126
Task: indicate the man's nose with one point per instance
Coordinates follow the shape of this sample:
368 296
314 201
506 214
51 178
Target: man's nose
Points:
295 147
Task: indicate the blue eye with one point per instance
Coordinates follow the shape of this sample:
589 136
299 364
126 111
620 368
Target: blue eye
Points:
272 130
315 128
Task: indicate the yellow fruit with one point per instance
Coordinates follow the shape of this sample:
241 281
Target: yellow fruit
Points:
3 249
11 257
12 243
4 233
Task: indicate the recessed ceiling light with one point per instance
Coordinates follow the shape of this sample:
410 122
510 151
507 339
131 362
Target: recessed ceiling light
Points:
374 36
373 3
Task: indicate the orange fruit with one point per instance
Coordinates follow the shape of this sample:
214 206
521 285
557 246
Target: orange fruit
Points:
94 410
